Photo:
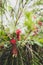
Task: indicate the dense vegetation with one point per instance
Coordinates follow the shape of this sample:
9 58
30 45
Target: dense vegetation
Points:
21 32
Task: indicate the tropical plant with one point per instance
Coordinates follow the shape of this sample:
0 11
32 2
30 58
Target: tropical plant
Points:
21 32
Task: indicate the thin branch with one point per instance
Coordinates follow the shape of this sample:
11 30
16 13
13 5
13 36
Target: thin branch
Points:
20 14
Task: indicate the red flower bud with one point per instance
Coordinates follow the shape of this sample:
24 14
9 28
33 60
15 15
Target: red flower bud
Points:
18 31
18 37
13 41
40 23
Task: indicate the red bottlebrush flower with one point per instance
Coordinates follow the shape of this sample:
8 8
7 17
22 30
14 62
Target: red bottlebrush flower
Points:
18 37
18 31
18 34
13 41
14 51
14 48
40 23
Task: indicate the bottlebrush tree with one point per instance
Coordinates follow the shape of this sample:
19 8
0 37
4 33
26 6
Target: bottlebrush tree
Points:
21 32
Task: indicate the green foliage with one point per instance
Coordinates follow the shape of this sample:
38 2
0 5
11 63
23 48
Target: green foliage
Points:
9 8
28 21
41 19
2 32
37 40
40 40
39 2
3 36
